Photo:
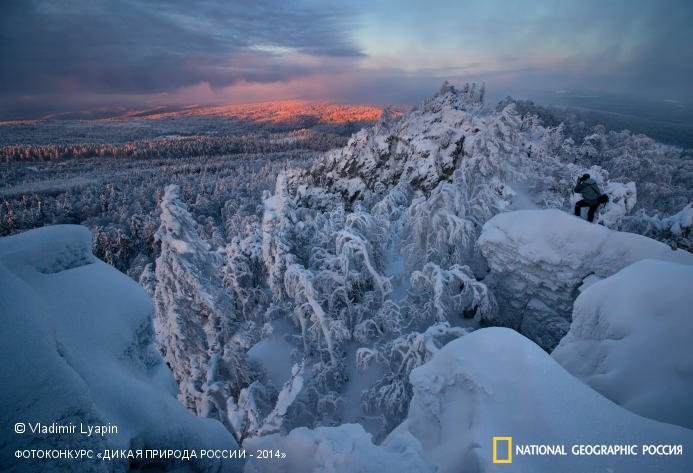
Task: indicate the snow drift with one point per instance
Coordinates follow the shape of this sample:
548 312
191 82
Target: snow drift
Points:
495 382
631 340
538 258
76 347
344 449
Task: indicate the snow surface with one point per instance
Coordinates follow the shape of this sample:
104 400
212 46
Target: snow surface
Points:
495 382
344 449
522 198
538 258
492 382
631 340
272 355
76 347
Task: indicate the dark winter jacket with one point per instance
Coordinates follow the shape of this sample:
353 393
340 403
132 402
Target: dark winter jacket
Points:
589 190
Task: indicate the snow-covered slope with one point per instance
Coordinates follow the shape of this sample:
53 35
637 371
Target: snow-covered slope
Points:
495 383
631 340
539 258
76 347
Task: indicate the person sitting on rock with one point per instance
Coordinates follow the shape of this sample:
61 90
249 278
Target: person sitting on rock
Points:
590 196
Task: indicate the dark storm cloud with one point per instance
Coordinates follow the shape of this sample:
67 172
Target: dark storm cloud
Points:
128 47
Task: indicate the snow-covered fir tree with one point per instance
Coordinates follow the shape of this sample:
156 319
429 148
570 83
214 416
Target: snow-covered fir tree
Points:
197 325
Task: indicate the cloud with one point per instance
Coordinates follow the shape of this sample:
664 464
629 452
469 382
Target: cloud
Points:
78 53
128 47
635 46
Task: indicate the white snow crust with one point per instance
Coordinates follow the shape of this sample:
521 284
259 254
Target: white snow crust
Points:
495 382
538 258
631 340
76 347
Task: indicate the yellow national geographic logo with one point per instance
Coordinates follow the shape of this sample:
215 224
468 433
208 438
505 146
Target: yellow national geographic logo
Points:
509 458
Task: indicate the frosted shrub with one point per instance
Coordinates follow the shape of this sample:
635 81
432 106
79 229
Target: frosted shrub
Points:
261 411
450 292
392 393
622 199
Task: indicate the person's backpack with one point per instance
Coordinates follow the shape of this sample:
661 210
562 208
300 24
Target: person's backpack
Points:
603 198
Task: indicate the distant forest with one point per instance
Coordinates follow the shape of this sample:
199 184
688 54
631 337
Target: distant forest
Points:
252 129
669 133
263 129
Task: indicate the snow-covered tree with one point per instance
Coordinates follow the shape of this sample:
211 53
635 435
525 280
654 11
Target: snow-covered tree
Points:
321 335
278 235
196 320
443 228
243 275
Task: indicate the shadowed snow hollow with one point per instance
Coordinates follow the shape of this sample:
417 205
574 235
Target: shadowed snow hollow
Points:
538 258
496 383
631 340
76 348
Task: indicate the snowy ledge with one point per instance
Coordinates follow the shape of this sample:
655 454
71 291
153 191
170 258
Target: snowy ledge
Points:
76 350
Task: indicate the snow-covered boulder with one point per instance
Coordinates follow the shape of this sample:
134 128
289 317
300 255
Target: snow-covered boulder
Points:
496 383
344 449
631 340
539 258
76 349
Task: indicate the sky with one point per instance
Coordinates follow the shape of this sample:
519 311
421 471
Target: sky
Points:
75 54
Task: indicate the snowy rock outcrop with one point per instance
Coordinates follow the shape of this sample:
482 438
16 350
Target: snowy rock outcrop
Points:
538 258
76 348
453 129
631 340
494 382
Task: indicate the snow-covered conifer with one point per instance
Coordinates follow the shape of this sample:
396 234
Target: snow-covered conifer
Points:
278 235
195 315
320 334
243 275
